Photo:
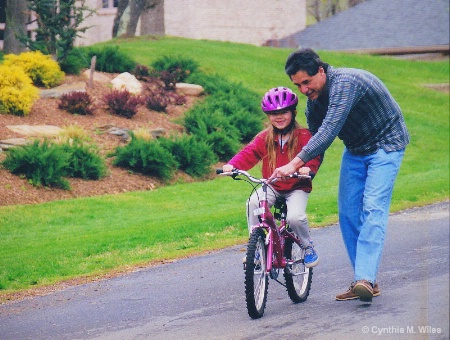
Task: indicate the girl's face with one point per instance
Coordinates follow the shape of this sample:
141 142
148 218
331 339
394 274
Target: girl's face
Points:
280 119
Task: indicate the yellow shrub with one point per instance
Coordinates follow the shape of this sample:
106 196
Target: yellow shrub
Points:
17 93
42 69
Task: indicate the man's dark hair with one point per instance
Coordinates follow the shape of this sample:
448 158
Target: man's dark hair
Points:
304 59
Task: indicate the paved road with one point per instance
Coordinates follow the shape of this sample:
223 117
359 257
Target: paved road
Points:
202 297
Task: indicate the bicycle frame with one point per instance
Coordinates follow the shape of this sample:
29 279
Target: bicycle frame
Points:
275 235
268 252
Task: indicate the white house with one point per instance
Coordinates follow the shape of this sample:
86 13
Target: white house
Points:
251 21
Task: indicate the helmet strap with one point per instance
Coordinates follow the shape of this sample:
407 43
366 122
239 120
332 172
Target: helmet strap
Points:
287 129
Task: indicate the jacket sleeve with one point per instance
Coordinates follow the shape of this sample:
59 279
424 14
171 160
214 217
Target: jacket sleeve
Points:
249 156
314 163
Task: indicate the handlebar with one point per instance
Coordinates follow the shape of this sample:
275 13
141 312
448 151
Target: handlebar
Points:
236 172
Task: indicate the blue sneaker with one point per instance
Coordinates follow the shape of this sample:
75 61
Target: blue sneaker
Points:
311 258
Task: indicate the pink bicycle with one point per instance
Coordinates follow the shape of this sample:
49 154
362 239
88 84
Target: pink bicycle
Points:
272 247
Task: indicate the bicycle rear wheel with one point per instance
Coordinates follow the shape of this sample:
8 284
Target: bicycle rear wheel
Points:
256 279
298 277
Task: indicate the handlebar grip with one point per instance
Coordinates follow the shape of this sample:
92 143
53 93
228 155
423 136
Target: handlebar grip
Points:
219 171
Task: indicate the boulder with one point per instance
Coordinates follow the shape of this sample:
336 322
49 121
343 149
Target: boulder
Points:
36 130
126 81
189 89
7 144
58 91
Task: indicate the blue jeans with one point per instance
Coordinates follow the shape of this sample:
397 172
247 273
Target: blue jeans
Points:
365 191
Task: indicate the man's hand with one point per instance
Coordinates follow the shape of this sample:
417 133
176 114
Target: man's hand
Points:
287 169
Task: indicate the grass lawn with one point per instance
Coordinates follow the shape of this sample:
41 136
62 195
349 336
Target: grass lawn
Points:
47 243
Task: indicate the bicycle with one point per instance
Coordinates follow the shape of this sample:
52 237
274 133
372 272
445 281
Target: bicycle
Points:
272 247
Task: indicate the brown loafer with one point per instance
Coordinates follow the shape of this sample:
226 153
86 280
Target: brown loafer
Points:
364 290
350 295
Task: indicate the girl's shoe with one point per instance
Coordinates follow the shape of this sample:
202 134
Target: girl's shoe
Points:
311 258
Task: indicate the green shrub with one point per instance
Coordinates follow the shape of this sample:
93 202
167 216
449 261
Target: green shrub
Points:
74 62
201 121
224 145
239 106
44 164
17 93
193 156
84 161
77 103
42 69
47 163
146 157
177 65
109 59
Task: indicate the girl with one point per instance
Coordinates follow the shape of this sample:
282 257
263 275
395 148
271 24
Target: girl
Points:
276 146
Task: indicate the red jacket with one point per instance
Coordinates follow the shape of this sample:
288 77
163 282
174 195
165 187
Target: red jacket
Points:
256 150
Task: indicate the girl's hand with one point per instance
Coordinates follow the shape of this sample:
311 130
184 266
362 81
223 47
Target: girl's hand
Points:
227 168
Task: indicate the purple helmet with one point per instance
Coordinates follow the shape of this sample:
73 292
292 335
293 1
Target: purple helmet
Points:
279 98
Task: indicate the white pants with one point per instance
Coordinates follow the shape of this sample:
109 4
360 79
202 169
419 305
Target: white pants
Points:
296 202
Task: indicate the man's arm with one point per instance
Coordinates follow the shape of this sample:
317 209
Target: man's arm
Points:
288 169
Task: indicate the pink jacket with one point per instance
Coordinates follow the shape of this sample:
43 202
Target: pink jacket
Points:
256 150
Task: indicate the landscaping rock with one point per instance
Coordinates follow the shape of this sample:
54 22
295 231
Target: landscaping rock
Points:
58 91
10 143
126 81
189 89
36 130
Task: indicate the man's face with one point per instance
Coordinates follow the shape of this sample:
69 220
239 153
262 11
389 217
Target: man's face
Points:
310 86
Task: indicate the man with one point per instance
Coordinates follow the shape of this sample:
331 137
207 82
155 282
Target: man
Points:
355 106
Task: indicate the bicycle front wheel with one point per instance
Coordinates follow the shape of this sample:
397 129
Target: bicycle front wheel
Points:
256 279
298 277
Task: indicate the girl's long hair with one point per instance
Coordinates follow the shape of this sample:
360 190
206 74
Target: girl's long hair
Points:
271 145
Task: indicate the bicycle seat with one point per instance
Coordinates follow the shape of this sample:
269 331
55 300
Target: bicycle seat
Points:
280 207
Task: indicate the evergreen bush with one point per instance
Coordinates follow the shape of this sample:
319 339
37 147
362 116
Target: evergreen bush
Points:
146 157
193 156
84 161
42 69
43 164
177 65
17 92
109 59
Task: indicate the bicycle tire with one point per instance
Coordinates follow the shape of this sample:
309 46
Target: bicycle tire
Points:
298 277
256 279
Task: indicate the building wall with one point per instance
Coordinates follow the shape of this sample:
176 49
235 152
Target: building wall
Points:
251 21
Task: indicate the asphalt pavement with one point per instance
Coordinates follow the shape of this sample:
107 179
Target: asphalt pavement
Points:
203 297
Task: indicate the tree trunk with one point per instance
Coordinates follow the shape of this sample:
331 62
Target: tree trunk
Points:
122 6
152 20
16 25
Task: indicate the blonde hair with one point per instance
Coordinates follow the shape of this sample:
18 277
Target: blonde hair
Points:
270 142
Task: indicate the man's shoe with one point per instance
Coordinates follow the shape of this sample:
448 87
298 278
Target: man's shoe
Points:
349 295
311 258
364 290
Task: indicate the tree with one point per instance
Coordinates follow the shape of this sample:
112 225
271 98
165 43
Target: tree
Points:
58 24
136 8
15 26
